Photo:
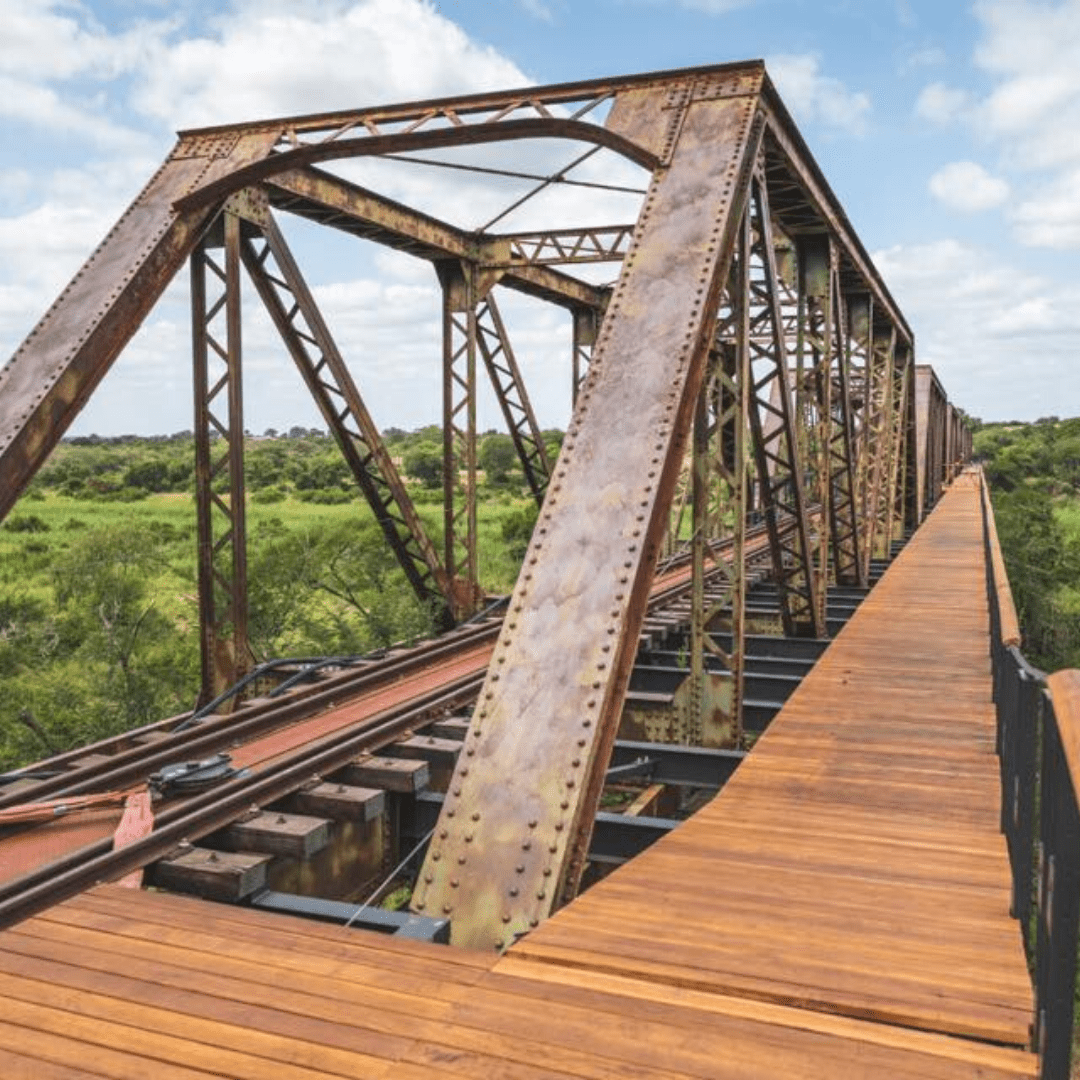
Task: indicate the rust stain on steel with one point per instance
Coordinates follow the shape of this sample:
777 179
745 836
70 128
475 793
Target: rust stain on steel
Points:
48 380
516 821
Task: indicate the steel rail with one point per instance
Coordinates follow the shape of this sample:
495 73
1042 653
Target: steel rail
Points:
247 722
213 809
208 811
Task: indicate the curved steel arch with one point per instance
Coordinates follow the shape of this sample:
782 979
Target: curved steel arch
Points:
376 145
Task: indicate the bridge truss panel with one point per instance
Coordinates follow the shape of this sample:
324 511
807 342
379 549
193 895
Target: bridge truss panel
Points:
749 348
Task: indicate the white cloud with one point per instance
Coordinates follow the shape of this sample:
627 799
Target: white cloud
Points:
538 10
968 187
942 104
814 97
1051 216
42 107
1000 339
1033 51
276 60
1030 114
41 42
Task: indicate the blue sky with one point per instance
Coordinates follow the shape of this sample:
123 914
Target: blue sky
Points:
947 129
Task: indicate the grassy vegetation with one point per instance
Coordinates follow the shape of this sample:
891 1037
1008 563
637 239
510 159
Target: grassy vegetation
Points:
98 593
1034 474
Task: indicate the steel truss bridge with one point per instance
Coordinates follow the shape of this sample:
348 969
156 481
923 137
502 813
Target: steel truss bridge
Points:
763 614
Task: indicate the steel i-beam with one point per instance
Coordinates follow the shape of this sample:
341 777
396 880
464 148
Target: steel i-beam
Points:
505 854
843 451
815 346
219 458
460 300
776 449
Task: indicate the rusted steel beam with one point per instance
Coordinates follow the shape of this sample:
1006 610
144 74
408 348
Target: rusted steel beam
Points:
720 476
930 406
500 103
896 473
878 442
815 343
775 446
219 459
53 373
215 191
585 329
817 208
460 299
509 386
606 244
843 455
288 300
329 200
504 854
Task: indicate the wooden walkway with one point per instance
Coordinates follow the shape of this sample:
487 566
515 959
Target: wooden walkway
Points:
840 911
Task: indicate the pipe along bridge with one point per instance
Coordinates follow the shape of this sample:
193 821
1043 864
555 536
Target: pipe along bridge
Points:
748 775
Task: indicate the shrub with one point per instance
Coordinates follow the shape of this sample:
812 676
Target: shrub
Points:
27 523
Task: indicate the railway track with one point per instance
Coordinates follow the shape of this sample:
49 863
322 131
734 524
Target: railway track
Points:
276 747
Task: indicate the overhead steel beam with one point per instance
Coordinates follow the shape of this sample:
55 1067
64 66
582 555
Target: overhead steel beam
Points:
213 191
559 247
505 854
329 200
499 104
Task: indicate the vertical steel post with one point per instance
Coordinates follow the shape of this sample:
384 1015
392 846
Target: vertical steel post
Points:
459 434
775 445
219 472
843 451
878 442
815 348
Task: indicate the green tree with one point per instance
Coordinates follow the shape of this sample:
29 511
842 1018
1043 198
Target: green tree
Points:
497 456
424 462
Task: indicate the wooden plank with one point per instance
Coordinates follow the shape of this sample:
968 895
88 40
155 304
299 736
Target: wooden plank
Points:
853 864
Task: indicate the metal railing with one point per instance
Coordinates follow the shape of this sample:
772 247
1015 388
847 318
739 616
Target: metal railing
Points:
1038 742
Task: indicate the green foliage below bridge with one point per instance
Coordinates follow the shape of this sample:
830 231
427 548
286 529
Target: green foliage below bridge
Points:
98 594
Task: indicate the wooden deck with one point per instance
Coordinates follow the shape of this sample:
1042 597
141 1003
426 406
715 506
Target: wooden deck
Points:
840 910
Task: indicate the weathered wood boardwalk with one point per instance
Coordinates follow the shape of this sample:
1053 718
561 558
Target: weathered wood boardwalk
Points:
839 910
